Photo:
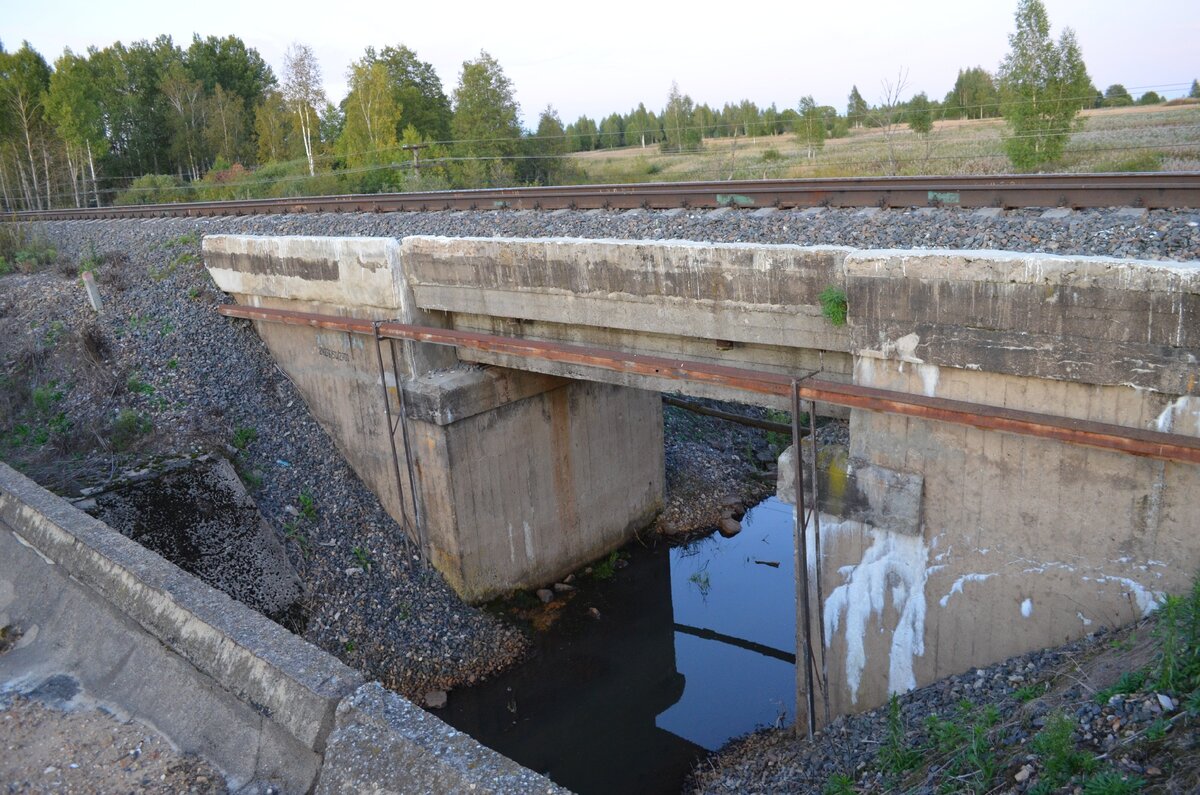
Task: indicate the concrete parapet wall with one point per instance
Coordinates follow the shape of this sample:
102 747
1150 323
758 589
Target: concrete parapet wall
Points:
741 293
380 739
1088 320
153 643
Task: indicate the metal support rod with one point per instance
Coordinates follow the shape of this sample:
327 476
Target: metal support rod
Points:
1105 436
387 410
418 514
816 518
740 419
802 562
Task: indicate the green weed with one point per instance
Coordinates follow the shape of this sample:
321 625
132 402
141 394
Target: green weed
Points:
1030 692
45 397
964 741
895 756
190 239
1157 730
833 305
838 784
1060 760
127 428
243 437
53 333
605 569
1130 682
363 557
308 507
1110 782
250 478
137 386
292 532
1177 668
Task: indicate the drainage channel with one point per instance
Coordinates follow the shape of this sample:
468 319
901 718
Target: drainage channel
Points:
644 672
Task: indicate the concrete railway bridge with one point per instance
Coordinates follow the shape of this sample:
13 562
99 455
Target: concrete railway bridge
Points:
1024 461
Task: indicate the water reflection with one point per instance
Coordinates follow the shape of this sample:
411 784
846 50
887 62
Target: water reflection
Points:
693 647
735 629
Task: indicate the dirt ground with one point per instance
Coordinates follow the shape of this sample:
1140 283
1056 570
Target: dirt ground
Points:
62 749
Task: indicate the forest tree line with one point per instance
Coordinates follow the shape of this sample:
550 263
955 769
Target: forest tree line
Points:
153 121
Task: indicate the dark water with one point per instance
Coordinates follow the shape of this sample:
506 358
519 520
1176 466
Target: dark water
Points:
693 647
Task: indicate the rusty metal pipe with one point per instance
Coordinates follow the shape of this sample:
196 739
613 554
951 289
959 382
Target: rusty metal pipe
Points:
803 607
728 416
1104 436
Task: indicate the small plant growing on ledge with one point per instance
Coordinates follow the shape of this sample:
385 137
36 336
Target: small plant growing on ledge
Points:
833 305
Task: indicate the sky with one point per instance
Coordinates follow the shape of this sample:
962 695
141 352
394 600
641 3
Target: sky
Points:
595 59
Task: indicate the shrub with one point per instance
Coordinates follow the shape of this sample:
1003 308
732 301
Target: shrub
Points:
152 189
127 428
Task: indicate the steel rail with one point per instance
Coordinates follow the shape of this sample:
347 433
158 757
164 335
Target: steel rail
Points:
1150 190
1105 436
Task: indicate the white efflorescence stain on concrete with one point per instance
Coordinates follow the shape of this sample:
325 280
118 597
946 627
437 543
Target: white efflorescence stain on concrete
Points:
1146 599
929 378
895 563
1181 416
957 587
528 541
1027 608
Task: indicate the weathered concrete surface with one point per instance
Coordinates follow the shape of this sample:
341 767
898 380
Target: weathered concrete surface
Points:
529 491
521 477
1089 320
1022 543
202 519
98 613
217 678
351 276
745 293
384 744
854 489
746 304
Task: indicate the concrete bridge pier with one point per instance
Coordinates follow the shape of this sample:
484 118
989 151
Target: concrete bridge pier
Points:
520 477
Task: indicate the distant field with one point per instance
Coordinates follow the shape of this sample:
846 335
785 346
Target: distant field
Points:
1153 138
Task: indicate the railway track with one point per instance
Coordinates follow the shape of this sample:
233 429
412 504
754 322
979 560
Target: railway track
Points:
1150 190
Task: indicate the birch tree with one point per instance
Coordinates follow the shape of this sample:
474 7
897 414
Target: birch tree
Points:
303 92
1043 86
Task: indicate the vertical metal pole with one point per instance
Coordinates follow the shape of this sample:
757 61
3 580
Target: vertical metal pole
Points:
408 458
387 410
816 514
802 554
